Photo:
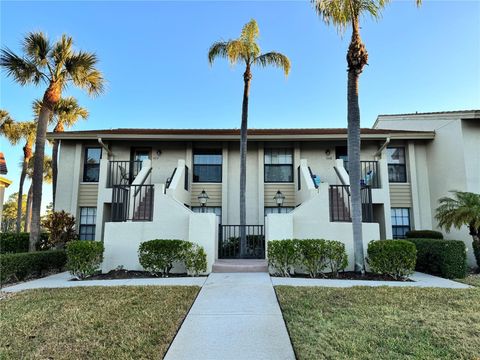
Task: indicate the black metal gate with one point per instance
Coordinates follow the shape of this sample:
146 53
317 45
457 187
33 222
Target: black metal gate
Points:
230 244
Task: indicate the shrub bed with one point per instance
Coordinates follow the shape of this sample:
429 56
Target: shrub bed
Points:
423 234
84 257
19 266
446 258
395 258
159 255
18 243
313 255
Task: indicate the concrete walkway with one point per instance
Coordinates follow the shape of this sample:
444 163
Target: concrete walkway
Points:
235 316
419 280
62 280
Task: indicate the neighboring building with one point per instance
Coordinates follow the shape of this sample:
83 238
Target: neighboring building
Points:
451 162
126 186
4 183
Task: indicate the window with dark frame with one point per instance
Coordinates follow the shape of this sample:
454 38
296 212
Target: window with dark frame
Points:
207 165
88 220
91 164
397 170
278 165
400 222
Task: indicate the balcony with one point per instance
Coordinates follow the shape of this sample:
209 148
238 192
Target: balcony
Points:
122 172
369 173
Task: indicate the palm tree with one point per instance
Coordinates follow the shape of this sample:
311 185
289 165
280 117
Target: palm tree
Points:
47 177
57 65
245 49
15 132
342 13
65 114
460 210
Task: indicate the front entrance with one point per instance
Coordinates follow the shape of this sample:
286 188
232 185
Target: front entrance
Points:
230 245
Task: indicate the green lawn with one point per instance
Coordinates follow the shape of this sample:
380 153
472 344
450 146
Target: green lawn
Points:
382 323
473 280
93 323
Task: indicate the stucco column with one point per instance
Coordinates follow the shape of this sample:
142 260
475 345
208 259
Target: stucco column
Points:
261 186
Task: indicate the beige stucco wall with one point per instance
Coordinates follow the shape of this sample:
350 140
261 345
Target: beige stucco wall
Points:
450 162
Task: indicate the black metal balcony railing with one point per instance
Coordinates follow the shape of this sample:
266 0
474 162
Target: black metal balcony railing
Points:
229 244
369 173
340 206
122 172
124 210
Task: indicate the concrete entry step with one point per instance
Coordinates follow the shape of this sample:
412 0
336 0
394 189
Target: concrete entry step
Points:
240 265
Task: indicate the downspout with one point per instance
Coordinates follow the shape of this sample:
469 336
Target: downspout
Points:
109 152
378 154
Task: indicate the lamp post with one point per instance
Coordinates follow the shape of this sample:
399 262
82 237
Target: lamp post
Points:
203 198
279 198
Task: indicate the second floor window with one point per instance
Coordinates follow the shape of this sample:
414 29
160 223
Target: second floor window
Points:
278 165
91 164
207 166
397 171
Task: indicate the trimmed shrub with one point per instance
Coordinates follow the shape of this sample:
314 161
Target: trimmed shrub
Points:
19 266
312 255
336 256
195 259
158 256
423 234
446 258
282 255
395 258
61 226
13 243
84 257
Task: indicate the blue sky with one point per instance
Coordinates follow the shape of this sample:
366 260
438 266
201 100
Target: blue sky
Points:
154 55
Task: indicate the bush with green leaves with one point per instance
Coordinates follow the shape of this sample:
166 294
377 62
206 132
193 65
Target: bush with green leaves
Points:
84 257
336 256
19 266
61 226
159 255
312 255
11 242
195 259
282 255
395 258
446 258
423 234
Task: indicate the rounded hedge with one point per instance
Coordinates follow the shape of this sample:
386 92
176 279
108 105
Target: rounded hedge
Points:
84 257
423 234
396 258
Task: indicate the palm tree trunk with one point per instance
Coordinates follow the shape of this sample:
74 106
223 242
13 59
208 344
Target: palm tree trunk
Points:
247 77
54 171
18 227
37 178
28 212
357 58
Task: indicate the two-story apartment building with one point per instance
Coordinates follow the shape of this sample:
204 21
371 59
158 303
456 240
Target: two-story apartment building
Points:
126 186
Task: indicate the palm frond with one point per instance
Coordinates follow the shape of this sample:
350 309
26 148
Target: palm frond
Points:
20 69
80 67
250 32
275 59
461 209
68 111
238 49
61 51
218 49
37 46
5 117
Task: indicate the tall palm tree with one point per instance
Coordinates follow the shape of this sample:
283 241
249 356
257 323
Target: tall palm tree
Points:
57 65
47 177
15 132
245 49
344 13
64 115
463 209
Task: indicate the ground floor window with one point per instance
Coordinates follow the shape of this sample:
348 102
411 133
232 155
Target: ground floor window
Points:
88 219
400 222
217 210
277 210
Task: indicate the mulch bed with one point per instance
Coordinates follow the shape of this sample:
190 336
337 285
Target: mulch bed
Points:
129 274
350 275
